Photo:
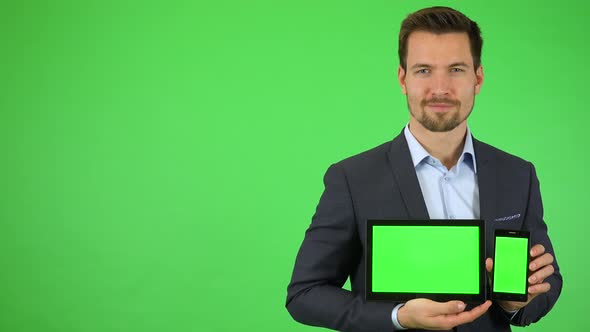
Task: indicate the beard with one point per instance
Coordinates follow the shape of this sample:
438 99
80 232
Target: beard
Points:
439 122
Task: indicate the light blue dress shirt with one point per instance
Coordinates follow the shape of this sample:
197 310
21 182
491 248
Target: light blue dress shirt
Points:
448 193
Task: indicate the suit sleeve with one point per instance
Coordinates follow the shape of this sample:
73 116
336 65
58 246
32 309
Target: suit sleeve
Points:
534 223
331 249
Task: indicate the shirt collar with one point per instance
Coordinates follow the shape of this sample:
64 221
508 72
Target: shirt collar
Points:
418 152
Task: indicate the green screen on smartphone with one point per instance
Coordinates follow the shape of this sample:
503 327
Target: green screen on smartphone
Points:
510 265
426 259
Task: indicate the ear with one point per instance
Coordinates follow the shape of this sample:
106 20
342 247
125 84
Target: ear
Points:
478 79
401 77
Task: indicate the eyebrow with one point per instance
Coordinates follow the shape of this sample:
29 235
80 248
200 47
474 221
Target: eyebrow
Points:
459 64
454 64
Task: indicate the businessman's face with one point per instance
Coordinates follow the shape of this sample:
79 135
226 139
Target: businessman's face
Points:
440 82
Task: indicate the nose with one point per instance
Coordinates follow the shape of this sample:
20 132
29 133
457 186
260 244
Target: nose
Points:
441 84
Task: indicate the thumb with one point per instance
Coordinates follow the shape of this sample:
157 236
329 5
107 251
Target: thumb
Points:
452 307
489 264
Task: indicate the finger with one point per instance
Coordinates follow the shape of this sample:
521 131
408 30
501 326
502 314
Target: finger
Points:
540 275
489 264
539 288
451 307
468 316
537 250
539 262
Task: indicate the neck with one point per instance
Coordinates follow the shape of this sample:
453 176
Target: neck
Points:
444 146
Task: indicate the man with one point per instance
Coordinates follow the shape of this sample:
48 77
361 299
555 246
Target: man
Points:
433 169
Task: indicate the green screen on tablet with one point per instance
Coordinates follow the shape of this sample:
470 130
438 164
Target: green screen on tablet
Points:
433 259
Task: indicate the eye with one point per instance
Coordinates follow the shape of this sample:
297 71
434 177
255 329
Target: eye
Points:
423 71
456 70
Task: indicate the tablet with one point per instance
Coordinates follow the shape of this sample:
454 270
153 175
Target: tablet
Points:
441 260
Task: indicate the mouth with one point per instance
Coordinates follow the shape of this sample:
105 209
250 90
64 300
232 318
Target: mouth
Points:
438 107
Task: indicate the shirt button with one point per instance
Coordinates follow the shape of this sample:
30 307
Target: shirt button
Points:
451 217
446 179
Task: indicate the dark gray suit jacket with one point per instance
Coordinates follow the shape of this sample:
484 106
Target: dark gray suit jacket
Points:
381 184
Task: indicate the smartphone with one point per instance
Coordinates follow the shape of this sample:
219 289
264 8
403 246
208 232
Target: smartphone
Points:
511 265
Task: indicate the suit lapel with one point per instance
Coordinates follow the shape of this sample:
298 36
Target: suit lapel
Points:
401 163
487 179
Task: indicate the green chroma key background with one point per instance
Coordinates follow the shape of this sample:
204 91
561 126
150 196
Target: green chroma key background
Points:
161 160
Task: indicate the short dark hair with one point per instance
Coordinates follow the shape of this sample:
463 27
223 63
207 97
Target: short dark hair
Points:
440 20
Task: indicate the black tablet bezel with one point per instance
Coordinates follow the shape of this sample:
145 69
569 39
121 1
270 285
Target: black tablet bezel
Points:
512 296
441 297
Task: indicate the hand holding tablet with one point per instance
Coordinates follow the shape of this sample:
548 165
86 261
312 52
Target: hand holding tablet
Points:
431 315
